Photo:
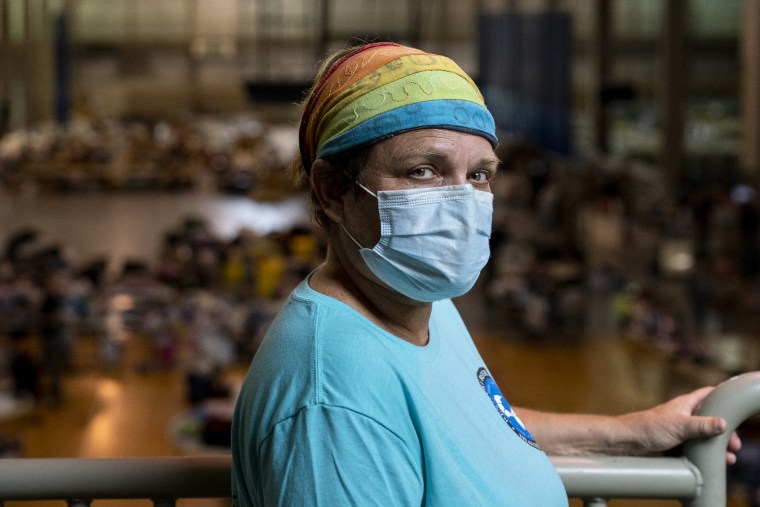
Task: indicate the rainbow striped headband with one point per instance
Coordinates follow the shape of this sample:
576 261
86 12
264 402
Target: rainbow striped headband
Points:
383 89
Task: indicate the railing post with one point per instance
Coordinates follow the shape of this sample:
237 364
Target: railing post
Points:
736 400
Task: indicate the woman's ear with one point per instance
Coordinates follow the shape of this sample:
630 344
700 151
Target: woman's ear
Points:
325 186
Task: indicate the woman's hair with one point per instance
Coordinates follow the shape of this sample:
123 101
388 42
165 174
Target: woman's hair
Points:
346 164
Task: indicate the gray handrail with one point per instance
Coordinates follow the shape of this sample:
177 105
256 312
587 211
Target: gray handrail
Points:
165 479
628 477
157 478
698 478
736 400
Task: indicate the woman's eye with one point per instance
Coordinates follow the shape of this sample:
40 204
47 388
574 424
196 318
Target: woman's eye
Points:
481 176
421 172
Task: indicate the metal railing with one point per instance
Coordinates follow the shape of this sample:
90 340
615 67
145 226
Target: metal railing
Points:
698 479
79 481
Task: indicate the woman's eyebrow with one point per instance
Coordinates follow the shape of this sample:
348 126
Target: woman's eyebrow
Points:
491 160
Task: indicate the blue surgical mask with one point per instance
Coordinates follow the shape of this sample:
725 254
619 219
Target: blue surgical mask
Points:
433 241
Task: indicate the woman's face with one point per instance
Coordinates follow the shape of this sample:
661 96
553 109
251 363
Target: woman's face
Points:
430 158
416 159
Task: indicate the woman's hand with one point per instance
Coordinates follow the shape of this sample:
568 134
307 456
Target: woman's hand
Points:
671 423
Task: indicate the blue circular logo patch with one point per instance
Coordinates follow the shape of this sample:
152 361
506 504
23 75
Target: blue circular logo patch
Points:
501 404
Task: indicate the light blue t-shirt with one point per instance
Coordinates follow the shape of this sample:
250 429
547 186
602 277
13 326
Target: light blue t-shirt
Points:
335 411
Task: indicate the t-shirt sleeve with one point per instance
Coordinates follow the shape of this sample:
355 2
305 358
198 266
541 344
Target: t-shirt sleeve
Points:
335 456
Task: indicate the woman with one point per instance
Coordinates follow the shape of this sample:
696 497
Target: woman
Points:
368 389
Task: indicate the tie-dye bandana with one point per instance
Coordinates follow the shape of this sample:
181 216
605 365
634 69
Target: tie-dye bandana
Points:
383 89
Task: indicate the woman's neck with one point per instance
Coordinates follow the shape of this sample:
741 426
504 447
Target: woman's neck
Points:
400 316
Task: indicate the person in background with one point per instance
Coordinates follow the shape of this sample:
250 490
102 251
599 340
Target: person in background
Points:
53 334
368 389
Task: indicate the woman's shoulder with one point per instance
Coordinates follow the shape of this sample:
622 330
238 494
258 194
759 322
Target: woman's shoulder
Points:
320 352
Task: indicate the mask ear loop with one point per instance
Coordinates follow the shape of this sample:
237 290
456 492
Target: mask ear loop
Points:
370 192
351 236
